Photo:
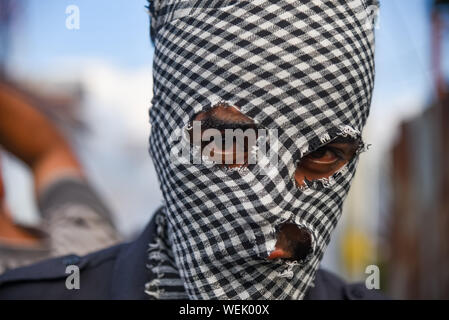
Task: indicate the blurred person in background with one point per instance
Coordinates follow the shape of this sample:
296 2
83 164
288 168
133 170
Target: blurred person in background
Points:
74 219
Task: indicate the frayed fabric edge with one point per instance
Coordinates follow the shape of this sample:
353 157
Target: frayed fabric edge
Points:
155 254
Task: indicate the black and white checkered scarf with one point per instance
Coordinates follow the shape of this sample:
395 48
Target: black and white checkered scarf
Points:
302 67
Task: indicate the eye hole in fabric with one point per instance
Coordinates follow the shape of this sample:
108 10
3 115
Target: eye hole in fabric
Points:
224 136
320 167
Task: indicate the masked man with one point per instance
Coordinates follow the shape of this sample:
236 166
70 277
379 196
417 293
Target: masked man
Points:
300 75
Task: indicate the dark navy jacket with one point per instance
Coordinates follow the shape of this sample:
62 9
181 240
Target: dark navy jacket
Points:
120 272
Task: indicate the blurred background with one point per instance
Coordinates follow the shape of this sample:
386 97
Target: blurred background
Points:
92 77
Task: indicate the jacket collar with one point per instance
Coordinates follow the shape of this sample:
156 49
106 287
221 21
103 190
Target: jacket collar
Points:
130 271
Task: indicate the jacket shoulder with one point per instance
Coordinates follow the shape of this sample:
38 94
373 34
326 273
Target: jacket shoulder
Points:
47 279
329 286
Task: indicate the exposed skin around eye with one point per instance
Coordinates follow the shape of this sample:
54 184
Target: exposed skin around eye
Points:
325 161
230 154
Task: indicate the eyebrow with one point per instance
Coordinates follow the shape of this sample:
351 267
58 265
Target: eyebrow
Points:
211 122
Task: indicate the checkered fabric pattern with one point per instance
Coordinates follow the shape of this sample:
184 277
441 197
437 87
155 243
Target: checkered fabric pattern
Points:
304 68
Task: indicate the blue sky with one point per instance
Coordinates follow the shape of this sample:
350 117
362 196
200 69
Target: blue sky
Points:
111 30
403 49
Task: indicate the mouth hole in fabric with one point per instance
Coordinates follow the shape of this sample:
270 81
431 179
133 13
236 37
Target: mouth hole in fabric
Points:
294 243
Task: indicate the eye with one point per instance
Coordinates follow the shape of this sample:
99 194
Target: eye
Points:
325 155
323 160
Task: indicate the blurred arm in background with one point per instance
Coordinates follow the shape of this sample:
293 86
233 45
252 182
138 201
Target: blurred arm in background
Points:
74 219
33 139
